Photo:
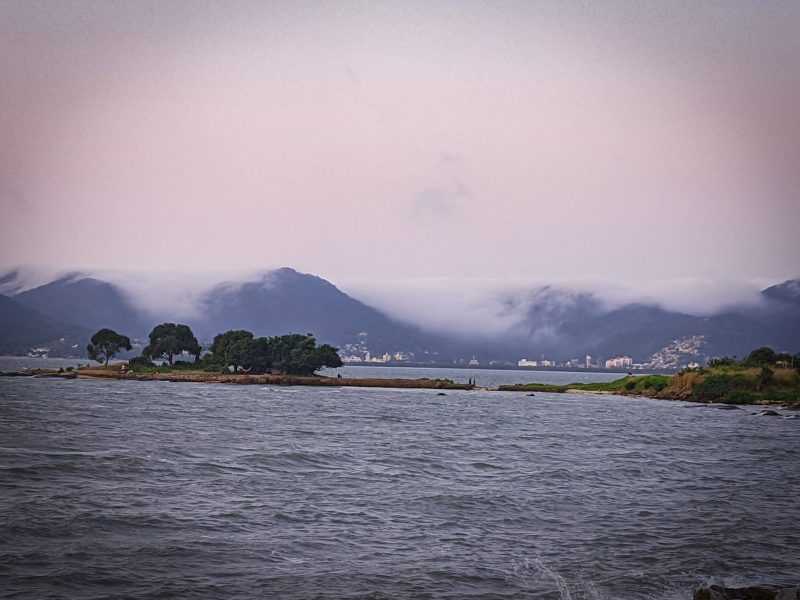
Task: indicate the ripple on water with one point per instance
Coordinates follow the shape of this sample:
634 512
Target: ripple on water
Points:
125 489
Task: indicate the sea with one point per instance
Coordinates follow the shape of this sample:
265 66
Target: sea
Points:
124 489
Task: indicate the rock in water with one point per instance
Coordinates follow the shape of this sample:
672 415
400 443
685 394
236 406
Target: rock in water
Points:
758 592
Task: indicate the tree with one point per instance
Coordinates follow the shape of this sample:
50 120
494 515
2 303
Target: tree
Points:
169 339
294 354
760 357
106 344
327 356
232 348
298 354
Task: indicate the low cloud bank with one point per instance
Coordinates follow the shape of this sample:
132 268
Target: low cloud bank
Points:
468 307
492 307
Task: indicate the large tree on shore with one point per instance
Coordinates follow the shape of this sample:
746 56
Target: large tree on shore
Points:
233 348
106 344
298 354
169 339
293 354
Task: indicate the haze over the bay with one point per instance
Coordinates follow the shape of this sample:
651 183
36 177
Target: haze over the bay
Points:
398 149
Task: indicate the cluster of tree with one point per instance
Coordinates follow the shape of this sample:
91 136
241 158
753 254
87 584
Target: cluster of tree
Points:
760 357
293 354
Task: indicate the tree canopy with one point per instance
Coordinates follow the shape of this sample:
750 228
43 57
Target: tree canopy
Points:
106 344
169 339
293 354
232 348
761 357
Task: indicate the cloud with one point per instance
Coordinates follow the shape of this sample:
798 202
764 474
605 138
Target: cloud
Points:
491 307
441 202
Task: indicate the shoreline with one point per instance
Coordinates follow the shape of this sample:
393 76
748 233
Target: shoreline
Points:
242 379
112 373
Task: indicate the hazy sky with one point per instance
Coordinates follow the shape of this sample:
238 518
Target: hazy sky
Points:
624 141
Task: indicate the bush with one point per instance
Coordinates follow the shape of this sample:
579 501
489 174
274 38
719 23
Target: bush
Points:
140 361
629 385
739 397
141 364
722 361
715 387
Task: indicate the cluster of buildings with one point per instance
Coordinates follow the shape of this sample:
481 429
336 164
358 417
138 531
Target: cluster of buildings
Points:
620 362
683 352
679 353
366 357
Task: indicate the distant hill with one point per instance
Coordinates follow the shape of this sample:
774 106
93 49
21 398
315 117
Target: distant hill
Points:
88 302
23 328
284 301
577 325
787 292
558 324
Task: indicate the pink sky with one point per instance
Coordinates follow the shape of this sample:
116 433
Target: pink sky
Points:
403 141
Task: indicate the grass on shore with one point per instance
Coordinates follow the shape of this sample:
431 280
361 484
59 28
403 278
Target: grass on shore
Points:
730 384
631 383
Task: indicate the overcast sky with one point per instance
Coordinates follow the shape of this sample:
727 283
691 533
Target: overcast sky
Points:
369 142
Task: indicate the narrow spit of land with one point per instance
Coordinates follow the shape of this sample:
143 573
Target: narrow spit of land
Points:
241 378
741 386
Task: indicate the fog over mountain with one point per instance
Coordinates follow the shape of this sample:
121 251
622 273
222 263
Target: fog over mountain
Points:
479 306
444 321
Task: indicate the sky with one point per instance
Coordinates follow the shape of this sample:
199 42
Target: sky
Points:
402 148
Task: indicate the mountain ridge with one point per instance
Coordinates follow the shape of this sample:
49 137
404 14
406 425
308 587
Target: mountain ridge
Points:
557 323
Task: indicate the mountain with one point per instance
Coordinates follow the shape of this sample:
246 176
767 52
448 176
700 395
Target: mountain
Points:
23 328
787 292
577 325
284 301
88 302
557 323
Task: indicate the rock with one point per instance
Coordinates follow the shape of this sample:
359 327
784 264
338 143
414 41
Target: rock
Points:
759 592
531 394
441 394
725 406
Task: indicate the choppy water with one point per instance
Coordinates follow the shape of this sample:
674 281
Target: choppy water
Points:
155 489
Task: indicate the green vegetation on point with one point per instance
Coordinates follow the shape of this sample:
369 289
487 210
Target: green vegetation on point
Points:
232 351
763 376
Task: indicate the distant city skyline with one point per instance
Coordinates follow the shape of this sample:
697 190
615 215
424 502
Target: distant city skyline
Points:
395 146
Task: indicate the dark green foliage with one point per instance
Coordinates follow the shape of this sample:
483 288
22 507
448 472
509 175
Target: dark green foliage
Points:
169 339
722 361
652 382
293 354
765 378
760 357
106 344
140 361
739 397
297 354
629 385
233 348
715 387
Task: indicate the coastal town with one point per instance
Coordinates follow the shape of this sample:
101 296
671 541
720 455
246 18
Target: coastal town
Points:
680 353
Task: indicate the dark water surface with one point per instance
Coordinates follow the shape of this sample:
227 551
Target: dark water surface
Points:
155 489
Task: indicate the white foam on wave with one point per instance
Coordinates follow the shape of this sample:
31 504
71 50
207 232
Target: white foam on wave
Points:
533 572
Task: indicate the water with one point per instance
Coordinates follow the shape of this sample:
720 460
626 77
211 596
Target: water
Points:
156 489
19 363
483 377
